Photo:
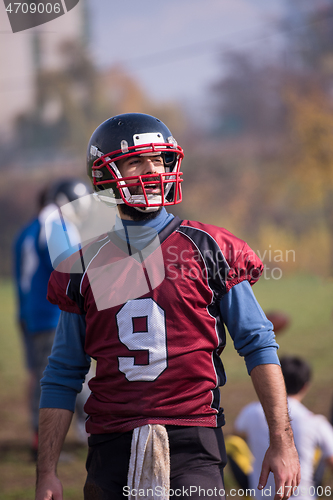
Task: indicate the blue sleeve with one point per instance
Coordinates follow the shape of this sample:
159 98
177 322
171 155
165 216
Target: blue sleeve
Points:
68 364
62 239
17 274
248 326
45 257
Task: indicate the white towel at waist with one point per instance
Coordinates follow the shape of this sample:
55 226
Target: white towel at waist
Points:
149 466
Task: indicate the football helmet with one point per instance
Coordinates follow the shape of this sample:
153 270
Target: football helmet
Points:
66 190
134 134
72 193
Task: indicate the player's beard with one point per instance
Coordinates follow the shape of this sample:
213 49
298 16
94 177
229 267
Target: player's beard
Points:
136 215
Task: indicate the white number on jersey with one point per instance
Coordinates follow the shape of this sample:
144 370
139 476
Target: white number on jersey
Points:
150 316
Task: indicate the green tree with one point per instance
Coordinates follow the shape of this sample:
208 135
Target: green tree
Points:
311 160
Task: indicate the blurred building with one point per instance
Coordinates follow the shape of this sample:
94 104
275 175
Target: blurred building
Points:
24 54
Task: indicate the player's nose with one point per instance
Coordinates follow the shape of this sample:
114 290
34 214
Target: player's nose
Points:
149 166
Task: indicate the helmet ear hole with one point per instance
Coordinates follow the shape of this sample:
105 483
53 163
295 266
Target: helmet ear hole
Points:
170 159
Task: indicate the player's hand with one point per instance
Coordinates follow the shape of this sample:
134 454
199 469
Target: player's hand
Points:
283 461
49 488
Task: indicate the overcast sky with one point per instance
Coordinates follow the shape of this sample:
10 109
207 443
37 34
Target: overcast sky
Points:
173 48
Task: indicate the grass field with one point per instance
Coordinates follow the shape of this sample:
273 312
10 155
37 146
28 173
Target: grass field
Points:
307 299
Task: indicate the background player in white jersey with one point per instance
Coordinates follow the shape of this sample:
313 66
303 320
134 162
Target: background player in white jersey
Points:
310 431
148 301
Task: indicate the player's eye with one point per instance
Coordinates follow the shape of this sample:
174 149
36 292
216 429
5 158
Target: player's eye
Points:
133 161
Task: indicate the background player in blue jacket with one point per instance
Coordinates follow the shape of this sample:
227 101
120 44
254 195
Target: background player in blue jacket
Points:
149 301
37 317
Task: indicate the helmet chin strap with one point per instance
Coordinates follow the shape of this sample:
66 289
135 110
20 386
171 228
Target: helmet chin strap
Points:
111 201
140 199
146 209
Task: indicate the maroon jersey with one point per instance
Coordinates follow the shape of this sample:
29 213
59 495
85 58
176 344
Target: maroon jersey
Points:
157 352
